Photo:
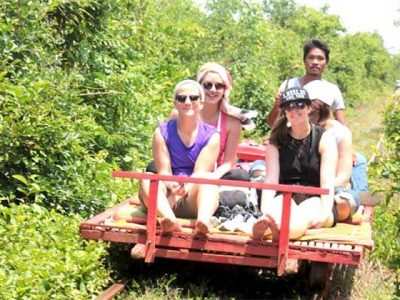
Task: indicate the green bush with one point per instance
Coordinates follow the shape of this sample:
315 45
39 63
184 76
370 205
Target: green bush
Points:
43 257
83 84
386 173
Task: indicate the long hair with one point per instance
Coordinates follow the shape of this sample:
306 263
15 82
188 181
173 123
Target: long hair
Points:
321 109
226 77
280 132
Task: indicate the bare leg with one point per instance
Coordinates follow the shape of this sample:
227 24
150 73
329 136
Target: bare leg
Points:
274 227
205 197
343 208
168 222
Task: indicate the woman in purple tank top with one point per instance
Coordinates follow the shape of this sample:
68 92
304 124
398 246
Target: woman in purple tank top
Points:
185 146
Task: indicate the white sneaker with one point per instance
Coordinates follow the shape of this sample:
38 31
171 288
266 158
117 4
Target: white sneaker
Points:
232 223
247 225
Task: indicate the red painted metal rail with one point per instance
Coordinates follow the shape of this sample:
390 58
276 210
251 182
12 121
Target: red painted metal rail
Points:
150 244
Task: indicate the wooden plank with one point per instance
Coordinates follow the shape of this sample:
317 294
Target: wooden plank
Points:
104 215
217 258
327 245
340 257
112 291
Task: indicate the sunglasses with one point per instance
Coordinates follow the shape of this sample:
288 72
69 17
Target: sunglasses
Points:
218 86
182 98
294 105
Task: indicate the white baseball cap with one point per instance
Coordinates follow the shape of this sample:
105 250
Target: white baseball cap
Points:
320 90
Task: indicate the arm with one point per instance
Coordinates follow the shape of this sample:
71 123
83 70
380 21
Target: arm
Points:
231 110
272 176
232 141
339 115
345 159
329 157
161 155
162 161
338 105
205 163
275 111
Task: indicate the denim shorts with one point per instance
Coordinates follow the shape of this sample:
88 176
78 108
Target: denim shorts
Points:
351 196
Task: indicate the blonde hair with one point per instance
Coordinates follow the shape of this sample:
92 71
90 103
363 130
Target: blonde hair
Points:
190 82
213 67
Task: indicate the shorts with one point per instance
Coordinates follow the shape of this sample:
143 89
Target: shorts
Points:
182 208
298 198
351 196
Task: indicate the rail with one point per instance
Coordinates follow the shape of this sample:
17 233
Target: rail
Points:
286 190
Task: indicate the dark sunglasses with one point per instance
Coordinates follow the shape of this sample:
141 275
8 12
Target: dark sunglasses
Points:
182 98
218 86
294 105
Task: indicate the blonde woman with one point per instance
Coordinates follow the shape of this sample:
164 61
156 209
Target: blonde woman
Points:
185 146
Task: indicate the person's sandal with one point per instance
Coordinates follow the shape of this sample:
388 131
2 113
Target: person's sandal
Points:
369 199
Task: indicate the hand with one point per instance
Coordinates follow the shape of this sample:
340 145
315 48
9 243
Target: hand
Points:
266 141
278 98
321 220
177 188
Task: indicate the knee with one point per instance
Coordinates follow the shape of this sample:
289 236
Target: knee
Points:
343 208
360 159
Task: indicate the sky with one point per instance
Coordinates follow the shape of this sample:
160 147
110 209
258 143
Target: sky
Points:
366 16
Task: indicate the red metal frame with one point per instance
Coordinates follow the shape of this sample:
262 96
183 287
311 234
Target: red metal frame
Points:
220 248
249 151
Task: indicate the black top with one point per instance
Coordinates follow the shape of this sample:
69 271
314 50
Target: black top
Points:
300 160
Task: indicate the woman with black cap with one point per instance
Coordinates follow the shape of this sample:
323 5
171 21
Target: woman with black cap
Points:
299 153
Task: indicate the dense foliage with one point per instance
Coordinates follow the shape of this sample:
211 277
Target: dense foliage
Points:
84 83
386 170
42 257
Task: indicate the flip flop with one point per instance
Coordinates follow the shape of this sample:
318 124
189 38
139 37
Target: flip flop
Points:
369 199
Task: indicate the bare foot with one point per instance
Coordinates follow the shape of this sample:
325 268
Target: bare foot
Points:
274 228
260 226
202 227
170 225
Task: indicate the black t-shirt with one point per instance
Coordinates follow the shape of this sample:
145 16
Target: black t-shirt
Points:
300 160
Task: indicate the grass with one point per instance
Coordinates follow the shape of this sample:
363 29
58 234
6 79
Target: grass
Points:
365 122
372 279
170 279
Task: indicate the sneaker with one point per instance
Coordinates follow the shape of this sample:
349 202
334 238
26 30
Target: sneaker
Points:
232 223
248 124
249 114
247 225
214 221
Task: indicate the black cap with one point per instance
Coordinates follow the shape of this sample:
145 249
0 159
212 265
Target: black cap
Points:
294 94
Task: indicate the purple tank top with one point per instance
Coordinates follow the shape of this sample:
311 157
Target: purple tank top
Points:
184 158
